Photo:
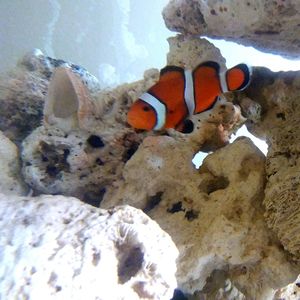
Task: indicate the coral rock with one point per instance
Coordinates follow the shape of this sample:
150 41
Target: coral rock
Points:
214 215
23 90
11 182
58 247
268 25
212 129
278 95
82 154
82 147
290 292
188 52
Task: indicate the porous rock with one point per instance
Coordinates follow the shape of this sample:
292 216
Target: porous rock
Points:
214 214
23 90
278 95
272 26
289 292
211 129
81 152
188 52
11 183
59 248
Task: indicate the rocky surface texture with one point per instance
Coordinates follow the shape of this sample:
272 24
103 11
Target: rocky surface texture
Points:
11 181
234 221
59 248
278 96
290 292
23 90
214 214
272 26
82 147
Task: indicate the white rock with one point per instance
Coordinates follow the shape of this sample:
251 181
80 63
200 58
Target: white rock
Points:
214 214
271 26
289 292
54 247
10 180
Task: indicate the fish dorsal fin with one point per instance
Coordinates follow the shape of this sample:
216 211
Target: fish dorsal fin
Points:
206 85
210 64
238 77
170 72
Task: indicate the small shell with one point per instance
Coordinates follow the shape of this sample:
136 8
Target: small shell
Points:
68 100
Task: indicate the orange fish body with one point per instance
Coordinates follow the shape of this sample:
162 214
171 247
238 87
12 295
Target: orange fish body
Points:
180 93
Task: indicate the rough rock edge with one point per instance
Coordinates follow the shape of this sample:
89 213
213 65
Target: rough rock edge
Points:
11 183
271 26
54 246
23 90
214 215
58 157
278 96
289 292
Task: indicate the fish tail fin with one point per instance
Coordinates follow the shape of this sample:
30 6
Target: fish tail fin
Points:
238 77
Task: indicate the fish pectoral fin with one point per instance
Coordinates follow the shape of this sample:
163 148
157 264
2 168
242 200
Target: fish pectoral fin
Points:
186 126
238 77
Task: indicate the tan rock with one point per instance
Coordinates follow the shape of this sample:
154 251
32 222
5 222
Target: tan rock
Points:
82 147
211 129
11 181
271 26
23 90
278 95
290 292
54 247
22 93
188 52
82 154
214 215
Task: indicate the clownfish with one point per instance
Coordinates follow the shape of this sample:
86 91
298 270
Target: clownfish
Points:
180 93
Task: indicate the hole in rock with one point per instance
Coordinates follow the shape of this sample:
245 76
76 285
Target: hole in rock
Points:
215 281
198 159
96 258
188 126
130 151
99 161
214 184
191 215
243 131
130 262
176 207
94 198
52 171
179 295
248 164
153 201
55 158
95 141
281 116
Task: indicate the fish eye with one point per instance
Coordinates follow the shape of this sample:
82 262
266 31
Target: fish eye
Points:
146 108
188 126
